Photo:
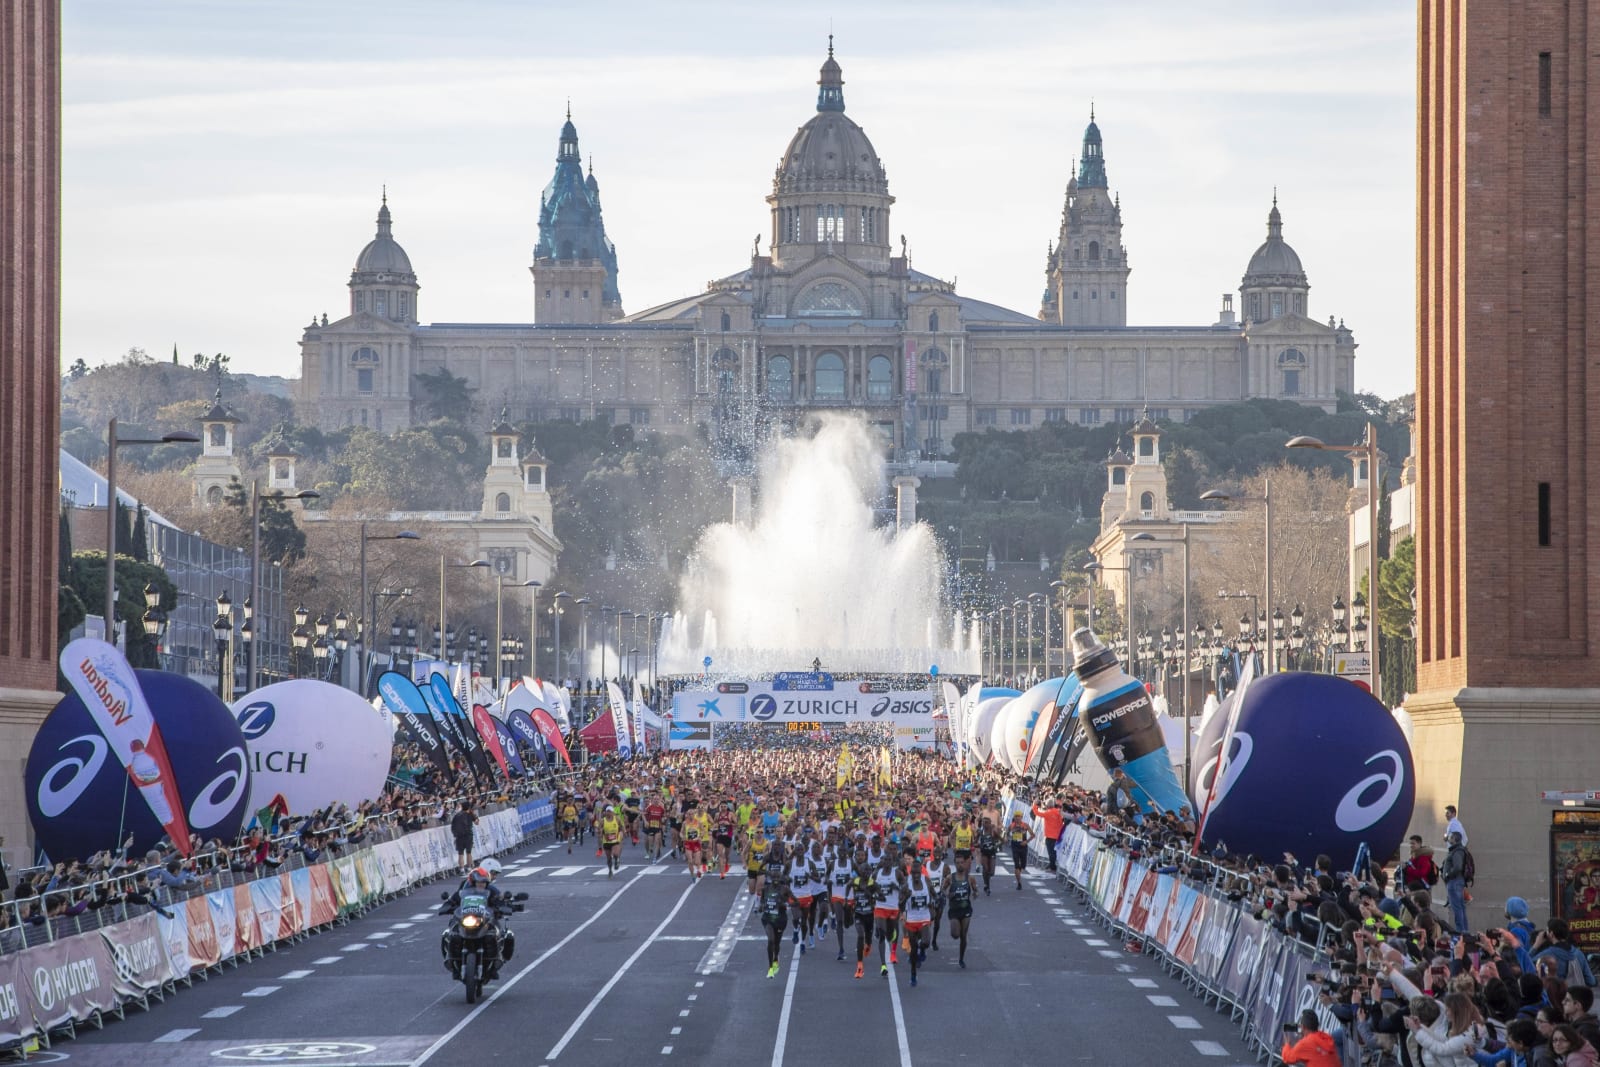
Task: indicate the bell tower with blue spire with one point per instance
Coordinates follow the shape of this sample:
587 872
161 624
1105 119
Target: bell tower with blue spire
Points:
574 264
1086 271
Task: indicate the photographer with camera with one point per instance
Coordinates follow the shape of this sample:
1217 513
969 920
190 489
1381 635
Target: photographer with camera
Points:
1305 1042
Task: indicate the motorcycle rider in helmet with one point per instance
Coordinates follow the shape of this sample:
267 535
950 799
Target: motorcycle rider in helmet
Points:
479 880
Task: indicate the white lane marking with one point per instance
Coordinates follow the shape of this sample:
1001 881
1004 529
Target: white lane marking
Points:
222 1013
565 872
594 1002
424 915
1125 968
699 985
715 961
401 926
684 1014
1095 942
324 961
899 1019
666 1050
379 935
178 1035
1162 1002
1209 1048
466 1020
291 975
694 996
261 991
1184 1022
1142 983
357 947
676 1030
782 1040
1111 954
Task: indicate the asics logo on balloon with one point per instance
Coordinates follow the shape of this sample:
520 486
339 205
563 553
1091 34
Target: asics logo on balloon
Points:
256 719
58 793
1352 815
1239 758
220 795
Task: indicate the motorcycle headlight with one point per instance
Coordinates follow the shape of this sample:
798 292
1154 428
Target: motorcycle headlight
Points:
470 922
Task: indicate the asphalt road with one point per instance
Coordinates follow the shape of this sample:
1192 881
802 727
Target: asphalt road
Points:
651 967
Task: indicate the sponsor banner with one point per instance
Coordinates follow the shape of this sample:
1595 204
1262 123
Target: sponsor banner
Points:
16 1001
266 897
1131 908
225 921
204 947
1180 912
175 939
1187 950
1275 999
685 735
533 814
69 979
1157 912
300 881
916 735
314 744
244 913
489 737
324 901
508 745
851 702
404 700
346 885
289 922
619 719
138 956
1244 957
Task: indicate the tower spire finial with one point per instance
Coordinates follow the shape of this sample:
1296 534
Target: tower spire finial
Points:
830 46
385 195
1091 109
569 109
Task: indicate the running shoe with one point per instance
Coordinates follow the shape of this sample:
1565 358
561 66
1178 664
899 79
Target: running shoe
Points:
894 957
985 890
861 968
905 943
883 970
772 972
868 950
913 981
963 964
797 937
841 956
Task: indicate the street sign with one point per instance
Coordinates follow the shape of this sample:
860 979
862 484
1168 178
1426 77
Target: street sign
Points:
1352 664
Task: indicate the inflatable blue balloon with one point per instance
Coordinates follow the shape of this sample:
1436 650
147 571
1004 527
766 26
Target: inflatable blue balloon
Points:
1317 766
80 798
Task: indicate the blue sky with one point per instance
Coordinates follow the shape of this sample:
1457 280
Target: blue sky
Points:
223 160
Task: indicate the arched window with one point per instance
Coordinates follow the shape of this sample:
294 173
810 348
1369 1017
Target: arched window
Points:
502 502
1094 250
880 378
1147 501
828 381
780 379
829 298
1119 476
364 355
933 322
213 497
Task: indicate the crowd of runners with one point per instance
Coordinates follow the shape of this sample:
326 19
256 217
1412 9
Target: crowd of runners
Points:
886 850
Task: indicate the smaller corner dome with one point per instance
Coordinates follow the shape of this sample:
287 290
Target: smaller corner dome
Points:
1146 425
383 253
1275 258
279 446
502 426
1118 458
218 412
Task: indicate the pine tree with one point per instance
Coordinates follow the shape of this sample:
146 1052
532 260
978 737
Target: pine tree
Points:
139 546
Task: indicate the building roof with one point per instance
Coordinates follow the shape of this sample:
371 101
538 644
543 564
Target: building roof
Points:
218 411
1275 259
84 488
383 254
830 152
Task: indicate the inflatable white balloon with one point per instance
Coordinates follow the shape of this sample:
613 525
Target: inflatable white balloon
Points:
1017 722
983 726
314 743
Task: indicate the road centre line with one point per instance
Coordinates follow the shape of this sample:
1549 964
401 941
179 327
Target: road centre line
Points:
899 1018
594 1002
782 1040
466 1020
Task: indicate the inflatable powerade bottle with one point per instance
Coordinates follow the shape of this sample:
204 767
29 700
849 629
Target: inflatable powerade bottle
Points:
1116 711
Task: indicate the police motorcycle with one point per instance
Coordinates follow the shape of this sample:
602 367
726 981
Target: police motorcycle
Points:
478 940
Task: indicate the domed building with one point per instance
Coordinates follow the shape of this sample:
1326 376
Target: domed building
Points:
830 315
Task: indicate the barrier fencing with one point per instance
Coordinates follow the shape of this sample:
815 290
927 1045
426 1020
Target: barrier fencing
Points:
1228 958
52 988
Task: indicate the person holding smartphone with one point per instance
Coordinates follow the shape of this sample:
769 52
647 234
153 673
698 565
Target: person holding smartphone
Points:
1306 1042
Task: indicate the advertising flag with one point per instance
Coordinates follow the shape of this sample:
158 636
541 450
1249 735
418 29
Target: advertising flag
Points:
552 733
484 723
443 704
105 682
508 745
639 742
619 719
404 700
847 767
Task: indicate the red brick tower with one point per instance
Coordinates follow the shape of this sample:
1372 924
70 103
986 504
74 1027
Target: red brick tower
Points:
1508 547
30 369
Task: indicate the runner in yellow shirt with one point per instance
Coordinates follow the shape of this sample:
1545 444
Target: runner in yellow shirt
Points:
611 840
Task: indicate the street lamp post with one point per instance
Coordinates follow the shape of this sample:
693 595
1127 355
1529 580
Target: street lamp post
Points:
1016 606
259 634
1266 501
1066 629
1183 691
1368 449
1095 566
1034 598
366 639
113 442
499 626
555 610
154 620
606 611
222 628
443 634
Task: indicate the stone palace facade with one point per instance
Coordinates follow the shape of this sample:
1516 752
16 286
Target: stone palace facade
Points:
831 316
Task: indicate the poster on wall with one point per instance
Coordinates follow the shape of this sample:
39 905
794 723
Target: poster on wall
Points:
1575 873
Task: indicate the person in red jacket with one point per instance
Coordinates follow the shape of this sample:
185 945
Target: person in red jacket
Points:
1315 1048
1051 814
